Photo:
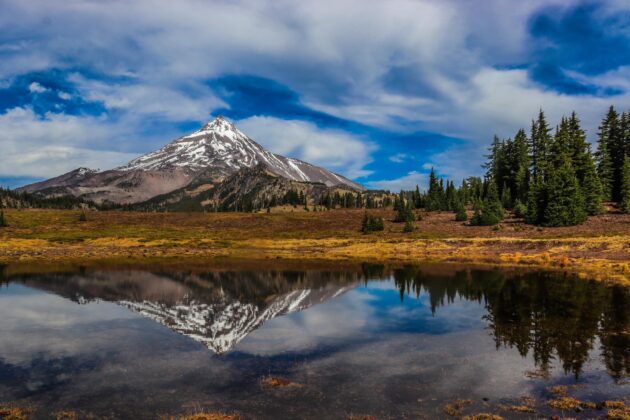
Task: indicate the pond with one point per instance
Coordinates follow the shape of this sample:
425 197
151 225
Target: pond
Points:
325 342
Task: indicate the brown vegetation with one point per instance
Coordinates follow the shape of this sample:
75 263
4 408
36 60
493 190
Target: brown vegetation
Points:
600 248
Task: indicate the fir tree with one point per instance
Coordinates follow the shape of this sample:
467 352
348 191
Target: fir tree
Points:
371 223
404 211
408 226
565 203
490 212
3 220
625 186
540 141
605 146
592 190
460 212
83 216
520 209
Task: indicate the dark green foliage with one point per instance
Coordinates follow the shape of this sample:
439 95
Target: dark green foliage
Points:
592 190
490 211
14 199
520 209
565 203
404 210
460 213
408 226
3 220
625 186
372 223
83 216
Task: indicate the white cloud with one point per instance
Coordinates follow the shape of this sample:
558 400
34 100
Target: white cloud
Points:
338 55
36 88
398 157
64 95
407 182
50 146
332 149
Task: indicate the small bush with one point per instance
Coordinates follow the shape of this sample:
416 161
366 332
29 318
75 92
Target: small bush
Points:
408 226
3 220
83 216
372 223
460 213
520 209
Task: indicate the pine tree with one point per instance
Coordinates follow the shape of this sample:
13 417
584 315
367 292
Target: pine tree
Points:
490 212
3 220
83 216
565 203
625 186
540 141
460 212
408 226
592 190
521 166
605 145
404 210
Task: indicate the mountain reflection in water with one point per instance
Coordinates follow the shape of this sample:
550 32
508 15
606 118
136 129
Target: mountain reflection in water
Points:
407 325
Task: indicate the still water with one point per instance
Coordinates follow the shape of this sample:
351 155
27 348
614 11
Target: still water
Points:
399 342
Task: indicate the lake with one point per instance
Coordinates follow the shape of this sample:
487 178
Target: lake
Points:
323 342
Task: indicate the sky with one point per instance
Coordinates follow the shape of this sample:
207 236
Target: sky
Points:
379 91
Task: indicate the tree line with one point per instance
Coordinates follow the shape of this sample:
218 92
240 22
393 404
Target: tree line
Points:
550 177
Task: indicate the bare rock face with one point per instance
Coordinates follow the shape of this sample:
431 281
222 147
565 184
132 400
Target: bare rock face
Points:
215 152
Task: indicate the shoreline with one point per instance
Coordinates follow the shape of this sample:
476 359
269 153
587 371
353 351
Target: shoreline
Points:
548 254
56 237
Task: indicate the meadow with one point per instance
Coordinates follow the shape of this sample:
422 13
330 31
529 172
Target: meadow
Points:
598 249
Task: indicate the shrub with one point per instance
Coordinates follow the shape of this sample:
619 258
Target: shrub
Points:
83 216
3 220
520 209
408 226
460 213
372 223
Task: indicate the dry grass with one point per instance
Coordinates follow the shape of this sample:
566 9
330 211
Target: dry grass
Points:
275 382
14 413
599 249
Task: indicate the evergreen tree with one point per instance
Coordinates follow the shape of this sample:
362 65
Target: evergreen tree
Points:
435 193
408 226
404 211
83 216
592 190
490 212
520 166
608 131
3 220
540 141
520 209
625 186
371 223
565 203
460 212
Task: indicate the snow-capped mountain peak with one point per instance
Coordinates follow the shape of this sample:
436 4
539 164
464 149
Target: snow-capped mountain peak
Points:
222 147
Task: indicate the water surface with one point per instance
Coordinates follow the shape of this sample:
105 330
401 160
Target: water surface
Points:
388 342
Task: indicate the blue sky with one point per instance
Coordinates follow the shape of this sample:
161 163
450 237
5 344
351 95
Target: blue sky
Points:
379 91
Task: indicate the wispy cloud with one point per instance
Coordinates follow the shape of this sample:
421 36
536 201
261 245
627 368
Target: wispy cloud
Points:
366 71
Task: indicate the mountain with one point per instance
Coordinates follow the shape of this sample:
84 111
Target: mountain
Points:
217 309
206 157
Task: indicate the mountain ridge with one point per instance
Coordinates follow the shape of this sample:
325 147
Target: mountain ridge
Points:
216 151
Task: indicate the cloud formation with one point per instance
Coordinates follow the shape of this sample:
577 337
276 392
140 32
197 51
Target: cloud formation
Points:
379 71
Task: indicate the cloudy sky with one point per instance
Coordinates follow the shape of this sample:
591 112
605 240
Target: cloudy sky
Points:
377 90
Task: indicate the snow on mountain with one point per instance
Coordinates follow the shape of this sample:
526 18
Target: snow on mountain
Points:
221 325
223 147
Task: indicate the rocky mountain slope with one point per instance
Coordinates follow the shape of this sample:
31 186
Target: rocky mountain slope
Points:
206 157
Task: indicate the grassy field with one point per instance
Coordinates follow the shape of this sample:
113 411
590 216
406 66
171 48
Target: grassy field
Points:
599 249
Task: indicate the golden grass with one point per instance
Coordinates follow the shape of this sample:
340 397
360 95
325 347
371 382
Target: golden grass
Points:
57 236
